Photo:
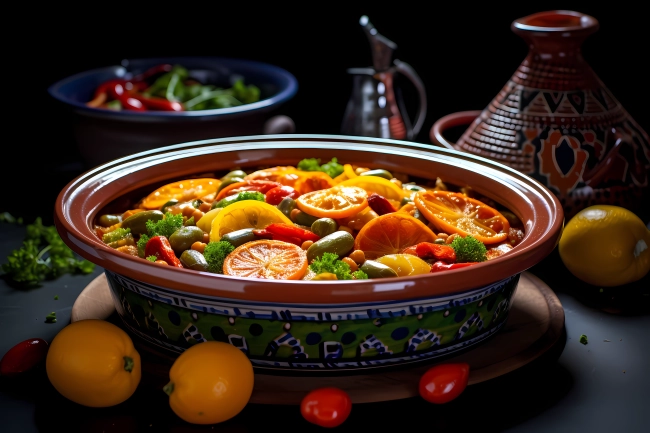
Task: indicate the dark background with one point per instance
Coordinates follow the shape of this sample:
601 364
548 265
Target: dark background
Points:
464 54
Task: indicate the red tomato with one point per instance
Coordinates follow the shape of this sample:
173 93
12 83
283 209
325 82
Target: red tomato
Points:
274 196
443 383
326 407
23 356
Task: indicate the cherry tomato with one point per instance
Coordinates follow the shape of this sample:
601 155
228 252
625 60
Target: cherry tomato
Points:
326 407
23 356
443 383
274 196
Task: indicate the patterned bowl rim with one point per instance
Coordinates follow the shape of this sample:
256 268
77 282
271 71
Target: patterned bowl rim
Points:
80 201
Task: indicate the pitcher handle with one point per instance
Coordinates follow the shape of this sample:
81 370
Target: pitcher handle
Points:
408 71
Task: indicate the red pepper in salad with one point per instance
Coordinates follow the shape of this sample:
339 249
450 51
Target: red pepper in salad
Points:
292 231
429 250
160 247
442 266
275 195
265 234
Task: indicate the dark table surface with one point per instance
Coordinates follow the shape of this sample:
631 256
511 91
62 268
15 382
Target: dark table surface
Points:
603 386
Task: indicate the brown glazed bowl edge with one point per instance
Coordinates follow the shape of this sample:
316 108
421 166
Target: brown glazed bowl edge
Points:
81 200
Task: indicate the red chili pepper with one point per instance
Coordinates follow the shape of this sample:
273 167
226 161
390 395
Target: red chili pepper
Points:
165 67
159 246
292 231
265 234
429 250
380 204
23 356
442 266
275 195
160 104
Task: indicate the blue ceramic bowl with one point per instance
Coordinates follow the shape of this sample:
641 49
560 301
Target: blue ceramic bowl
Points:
103 135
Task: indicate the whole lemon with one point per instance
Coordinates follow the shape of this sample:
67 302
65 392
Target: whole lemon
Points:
606 245
93 363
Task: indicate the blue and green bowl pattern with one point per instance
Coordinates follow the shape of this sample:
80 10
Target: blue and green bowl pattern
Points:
316 337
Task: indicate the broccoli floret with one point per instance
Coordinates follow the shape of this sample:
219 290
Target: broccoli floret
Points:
330 263
244 195
360 275
142 243
115 235
215 253
309 164
469 249
166 226
332 168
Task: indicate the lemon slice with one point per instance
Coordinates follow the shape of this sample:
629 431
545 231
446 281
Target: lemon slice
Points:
245 214
379 185
405 264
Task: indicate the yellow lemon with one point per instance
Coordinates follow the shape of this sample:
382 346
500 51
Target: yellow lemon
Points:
245 214
405 264
379 185
606 245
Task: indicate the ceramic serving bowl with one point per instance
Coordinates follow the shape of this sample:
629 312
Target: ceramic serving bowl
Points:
102 135
315 326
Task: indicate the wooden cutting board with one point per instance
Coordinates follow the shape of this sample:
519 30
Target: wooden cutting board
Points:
535 323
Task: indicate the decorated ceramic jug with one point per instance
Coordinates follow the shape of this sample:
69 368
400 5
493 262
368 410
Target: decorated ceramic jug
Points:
557 122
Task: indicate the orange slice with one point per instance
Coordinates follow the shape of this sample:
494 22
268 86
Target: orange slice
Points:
453 212
184 190
301 181
390 234
336 202
379 185
243 215
275 260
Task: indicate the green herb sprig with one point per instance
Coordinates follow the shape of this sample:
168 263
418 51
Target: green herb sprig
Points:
43 256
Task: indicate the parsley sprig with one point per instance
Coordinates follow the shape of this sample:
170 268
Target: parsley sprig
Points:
43 256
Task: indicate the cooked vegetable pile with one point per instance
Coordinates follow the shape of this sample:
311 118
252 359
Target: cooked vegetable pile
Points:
168 87
318 220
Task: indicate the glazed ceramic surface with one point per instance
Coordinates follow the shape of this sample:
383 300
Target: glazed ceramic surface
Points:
556 121
310 325
103 135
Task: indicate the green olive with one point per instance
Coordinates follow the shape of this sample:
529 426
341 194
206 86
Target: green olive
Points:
170 203
234 173
324 226
286 206
138 221
229 181
193 259
109 220
183 238
303 218
239 237
339 243
377 270
379 172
